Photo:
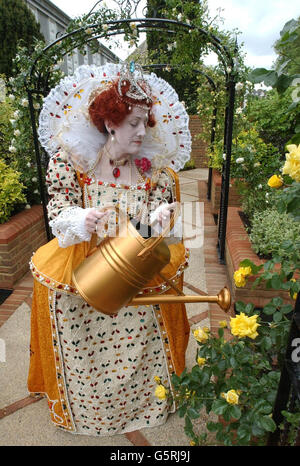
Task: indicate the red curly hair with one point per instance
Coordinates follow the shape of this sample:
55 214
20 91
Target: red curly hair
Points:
110 107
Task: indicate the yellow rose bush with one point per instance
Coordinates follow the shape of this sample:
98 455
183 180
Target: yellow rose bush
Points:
233 378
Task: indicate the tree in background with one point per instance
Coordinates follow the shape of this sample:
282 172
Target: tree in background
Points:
286 77
165 48
16 22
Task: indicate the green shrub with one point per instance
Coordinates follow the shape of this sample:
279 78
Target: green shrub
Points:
270 229
11 191
190 165
252 160
257 199
6 113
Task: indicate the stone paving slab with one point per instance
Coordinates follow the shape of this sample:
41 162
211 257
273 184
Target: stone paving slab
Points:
15 333
196 174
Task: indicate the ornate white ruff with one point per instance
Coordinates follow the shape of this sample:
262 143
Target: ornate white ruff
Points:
64 121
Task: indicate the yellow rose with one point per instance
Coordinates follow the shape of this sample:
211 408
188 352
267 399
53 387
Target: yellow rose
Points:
223 323
246 271
201 361
200 335
161 392
275 181
231 397
240 275
244 326
292 163
239 279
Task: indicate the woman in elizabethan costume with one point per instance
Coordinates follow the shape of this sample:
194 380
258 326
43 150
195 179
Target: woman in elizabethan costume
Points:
115 138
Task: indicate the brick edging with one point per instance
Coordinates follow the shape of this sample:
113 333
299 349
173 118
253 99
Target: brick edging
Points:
18 223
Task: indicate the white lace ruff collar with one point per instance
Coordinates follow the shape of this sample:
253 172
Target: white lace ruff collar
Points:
64 121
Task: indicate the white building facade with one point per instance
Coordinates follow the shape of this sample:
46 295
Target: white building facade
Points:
53 23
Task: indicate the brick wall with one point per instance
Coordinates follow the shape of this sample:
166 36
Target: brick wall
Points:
22 235
199 148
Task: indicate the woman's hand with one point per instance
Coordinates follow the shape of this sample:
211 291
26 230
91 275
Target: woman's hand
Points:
95 219
164 215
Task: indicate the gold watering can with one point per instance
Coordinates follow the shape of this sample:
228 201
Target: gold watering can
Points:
120 267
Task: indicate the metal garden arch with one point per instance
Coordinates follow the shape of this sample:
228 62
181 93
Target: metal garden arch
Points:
36 83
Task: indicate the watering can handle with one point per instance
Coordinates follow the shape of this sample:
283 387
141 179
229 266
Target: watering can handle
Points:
149 243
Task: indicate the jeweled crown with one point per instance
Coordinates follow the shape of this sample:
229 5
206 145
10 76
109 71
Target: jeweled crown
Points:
139 89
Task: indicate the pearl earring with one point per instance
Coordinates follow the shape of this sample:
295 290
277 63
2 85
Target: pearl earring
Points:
112 135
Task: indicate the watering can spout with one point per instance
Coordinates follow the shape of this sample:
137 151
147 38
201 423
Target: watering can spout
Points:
223 299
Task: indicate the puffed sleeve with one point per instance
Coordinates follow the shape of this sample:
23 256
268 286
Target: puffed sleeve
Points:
65 209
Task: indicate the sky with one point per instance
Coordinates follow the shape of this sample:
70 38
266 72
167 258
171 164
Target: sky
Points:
259 21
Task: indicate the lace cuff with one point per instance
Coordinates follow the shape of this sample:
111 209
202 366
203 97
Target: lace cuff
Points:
69 226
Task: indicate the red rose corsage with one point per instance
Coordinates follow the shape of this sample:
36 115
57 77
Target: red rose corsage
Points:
143 164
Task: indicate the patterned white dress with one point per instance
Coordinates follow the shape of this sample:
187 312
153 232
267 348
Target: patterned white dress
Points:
105 364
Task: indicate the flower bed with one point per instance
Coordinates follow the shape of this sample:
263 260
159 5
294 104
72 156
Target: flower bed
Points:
234 198
238 247
19 238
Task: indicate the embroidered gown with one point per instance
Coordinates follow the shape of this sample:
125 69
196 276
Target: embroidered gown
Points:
98 370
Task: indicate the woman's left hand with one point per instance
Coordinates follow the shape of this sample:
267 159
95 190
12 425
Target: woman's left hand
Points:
164 215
